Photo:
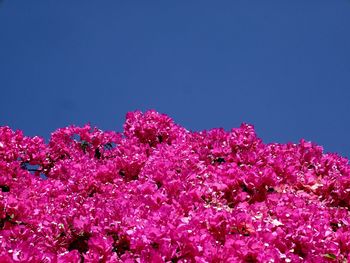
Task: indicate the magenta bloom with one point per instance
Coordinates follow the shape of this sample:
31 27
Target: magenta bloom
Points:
160 193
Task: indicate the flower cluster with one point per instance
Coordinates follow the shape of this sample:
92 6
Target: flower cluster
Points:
159 193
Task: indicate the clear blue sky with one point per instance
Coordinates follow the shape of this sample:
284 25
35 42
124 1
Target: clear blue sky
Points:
283 66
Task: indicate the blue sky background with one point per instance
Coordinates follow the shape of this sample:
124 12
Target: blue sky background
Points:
283 66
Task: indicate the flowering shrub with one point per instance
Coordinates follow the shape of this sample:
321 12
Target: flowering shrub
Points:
160 193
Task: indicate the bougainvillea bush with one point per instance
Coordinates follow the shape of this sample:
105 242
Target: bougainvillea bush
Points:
159 193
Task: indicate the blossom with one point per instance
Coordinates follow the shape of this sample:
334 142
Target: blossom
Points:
159 193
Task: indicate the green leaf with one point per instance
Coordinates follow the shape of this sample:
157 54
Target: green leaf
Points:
84 145
330 256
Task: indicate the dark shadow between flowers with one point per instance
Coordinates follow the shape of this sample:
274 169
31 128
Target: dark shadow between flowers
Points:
80 243
121 244
5 188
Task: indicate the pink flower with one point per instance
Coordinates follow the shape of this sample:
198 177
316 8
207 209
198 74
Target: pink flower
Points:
160 193
72 256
